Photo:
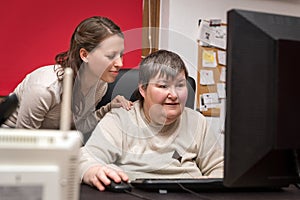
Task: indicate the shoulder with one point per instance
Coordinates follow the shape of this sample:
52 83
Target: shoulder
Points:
192 114
193 118
45 69
123 116
45 75
42 82
121 112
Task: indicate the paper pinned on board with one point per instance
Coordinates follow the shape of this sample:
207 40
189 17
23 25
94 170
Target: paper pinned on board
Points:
208 101
221 57
221 90
212 35
209 59
223 74
210 98
206 77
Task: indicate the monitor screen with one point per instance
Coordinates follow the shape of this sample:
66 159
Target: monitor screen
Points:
262 135
39 164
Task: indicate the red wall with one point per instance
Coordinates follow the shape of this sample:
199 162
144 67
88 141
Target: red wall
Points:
34 31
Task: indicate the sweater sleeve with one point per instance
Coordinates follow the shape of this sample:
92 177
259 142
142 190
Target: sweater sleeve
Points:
210 157
104 146
102 111
34 106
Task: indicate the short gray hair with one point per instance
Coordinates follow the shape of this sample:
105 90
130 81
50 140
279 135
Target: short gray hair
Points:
162 63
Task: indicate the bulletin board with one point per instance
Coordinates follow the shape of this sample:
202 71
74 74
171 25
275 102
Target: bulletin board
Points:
211 70
210 80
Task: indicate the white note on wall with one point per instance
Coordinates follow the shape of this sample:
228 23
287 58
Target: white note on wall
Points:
206 77
210 98
221 57
212 35
221 90
223 74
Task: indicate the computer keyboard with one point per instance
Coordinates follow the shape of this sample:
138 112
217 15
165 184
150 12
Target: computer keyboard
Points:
194 184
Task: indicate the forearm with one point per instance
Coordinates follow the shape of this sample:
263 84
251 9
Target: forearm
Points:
86 161
214 168
211 163
96 173
102 111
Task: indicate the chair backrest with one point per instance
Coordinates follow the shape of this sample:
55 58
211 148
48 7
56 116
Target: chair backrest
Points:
127 82
8 106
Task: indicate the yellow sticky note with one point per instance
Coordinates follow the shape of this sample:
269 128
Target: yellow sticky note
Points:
209 59
208 56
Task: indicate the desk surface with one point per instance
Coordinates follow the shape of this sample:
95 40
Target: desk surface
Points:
291 193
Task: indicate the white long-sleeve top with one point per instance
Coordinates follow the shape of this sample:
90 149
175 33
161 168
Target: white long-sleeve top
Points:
125 140
40 96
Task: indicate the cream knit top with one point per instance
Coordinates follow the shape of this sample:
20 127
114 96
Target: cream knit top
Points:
40 95
124 139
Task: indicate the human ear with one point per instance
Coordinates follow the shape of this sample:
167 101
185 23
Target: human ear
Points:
83 54
142 89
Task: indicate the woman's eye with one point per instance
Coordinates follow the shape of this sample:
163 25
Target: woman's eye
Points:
162 86
181 85
111 57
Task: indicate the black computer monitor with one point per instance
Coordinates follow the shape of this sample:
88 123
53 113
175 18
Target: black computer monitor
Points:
262 134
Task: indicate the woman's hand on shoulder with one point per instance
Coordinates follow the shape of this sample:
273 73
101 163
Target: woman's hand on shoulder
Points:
121 101
99 176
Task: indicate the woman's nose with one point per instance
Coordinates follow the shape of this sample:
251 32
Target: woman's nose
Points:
118 62
172 93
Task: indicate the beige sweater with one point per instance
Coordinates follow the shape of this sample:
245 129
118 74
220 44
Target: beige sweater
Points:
40 95
124 139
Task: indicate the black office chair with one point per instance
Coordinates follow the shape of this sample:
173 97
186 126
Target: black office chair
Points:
8 106
126 85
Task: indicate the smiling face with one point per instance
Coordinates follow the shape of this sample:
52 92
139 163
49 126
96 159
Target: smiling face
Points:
106 59
164 99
